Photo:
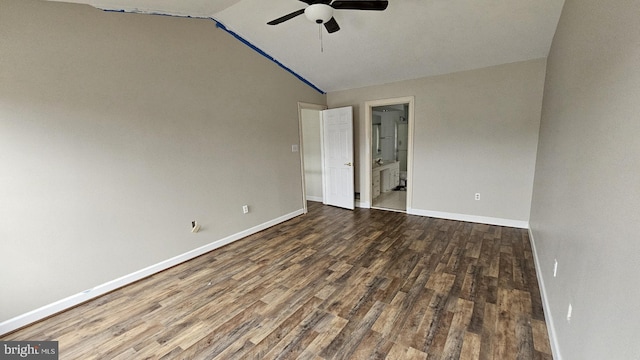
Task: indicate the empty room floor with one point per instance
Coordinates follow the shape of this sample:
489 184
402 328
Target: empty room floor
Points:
331 284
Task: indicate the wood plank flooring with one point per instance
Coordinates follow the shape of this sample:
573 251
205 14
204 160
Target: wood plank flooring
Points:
332 284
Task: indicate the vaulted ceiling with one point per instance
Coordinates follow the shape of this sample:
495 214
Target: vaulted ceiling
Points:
410 39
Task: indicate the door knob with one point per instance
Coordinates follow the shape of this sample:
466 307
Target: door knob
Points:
348 164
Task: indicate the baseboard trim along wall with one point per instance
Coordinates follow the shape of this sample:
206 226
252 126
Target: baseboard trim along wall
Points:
74 300
553 340
470 218
314 198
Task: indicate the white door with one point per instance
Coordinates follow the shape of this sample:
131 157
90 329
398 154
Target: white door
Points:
338 157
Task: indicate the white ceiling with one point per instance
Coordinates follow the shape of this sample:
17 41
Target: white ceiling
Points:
411 39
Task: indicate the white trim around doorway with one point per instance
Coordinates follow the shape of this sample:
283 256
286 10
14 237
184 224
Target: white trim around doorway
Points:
368 105
301 106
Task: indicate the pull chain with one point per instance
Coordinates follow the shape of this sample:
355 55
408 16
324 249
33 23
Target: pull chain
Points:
320 35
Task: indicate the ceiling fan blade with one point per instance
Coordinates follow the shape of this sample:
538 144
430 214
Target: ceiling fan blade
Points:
286 17
311 2
360 5
332 25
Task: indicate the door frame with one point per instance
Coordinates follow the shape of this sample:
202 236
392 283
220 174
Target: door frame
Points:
368 109
309 106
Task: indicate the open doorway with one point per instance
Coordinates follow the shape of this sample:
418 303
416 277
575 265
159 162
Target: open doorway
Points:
311 160
389 136
326 146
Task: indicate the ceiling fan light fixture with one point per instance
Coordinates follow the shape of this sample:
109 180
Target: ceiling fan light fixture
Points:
319 13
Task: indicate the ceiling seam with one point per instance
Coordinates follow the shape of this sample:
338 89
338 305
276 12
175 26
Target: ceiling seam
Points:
263 53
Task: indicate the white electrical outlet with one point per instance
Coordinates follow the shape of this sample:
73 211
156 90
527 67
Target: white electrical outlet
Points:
477 196
245 209
195 227
569 311
555 267
295 148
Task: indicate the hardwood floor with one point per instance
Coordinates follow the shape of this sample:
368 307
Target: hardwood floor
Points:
332 284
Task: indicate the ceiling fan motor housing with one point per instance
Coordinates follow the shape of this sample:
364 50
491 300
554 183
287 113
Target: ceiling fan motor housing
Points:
319 13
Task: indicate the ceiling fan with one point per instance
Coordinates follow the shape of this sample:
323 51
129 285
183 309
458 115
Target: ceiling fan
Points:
321 11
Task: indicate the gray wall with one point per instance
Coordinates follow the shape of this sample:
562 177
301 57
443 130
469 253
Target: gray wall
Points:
585 202
117 130
475 131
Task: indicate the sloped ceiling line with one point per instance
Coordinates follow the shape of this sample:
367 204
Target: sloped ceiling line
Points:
261 52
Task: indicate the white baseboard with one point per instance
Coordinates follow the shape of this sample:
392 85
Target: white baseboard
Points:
363 204
73 300
553 340
470 218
